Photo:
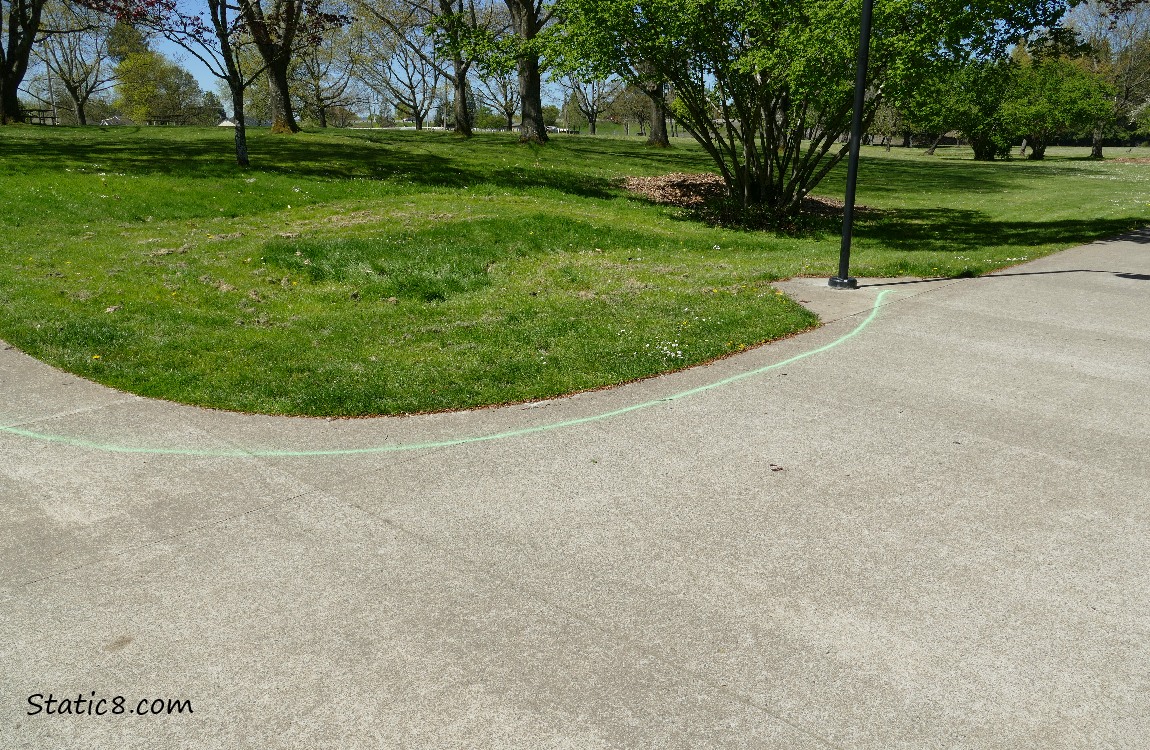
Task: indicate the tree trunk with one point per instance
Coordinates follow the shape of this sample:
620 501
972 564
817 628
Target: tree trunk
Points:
462 111
283 120
23 25
1096 151
906 139
527 23
241 130
591 124
534 130
510 121
934 146
418 121
1037 151
81 110
9 98
322 110
658 137
626 128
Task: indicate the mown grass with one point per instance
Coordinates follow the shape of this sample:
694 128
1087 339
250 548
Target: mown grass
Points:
355 273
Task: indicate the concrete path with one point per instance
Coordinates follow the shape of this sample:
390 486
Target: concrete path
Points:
932 534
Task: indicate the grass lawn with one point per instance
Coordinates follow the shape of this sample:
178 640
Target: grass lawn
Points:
382 272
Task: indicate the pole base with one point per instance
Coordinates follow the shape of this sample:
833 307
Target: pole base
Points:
840 283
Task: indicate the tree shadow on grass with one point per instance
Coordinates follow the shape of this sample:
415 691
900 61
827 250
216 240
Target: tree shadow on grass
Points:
202 156
881 176
917 231
948 230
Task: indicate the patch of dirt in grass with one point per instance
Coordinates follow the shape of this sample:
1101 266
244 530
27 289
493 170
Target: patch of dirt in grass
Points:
1132 160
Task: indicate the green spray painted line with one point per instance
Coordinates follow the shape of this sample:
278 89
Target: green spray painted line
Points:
79 443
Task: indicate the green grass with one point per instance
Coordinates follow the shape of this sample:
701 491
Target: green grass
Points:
369 272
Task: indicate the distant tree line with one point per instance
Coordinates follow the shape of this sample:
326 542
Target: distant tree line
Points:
1088 79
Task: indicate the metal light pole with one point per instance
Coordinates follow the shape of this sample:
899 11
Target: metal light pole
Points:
844 280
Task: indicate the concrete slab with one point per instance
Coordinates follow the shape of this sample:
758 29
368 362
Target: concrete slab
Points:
933 534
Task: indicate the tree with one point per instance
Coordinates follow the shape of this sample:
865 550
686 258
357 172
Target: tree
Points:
550 115
591 97
275 31
23 27
151 87
20 31
977 106
125 37
656 92
1117 34
631 105
401 72
76 53
1055 96
528 19
218 39
636 76
766 87
325 72
888 121
499 90
457 29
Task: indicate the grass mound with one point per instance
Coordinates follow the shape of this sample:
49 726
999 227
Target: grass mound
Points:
358 273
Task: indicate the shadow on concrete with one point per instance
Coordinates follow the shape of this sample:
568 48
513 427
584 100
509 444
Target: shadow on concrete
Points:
1119 274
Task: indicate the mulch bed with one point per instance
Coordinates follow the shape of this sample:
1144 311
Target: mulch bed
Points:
705 192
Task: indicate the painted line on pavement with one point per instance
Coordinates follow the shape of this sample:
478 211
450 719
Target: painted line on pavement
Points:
399 448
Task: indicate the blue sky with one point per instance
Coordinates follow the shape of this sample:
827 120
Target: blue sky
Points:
188 62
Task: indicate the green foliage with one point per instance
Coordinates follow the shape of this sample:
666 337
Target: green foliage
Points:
150 86
1055 96
125 40
766 87
485 119
978 95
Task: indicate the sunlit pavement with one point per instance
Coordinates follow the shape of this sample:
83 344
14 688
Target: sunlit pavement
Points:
933 533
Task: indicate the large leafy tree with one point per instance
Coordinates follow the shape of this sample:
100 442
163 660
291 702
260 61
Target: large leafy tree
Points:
1055 96
976 101
149 86
765 85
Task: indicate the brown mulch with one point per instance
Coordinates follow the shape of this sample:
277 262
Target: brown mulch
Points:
682 190
699 191
1132 160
